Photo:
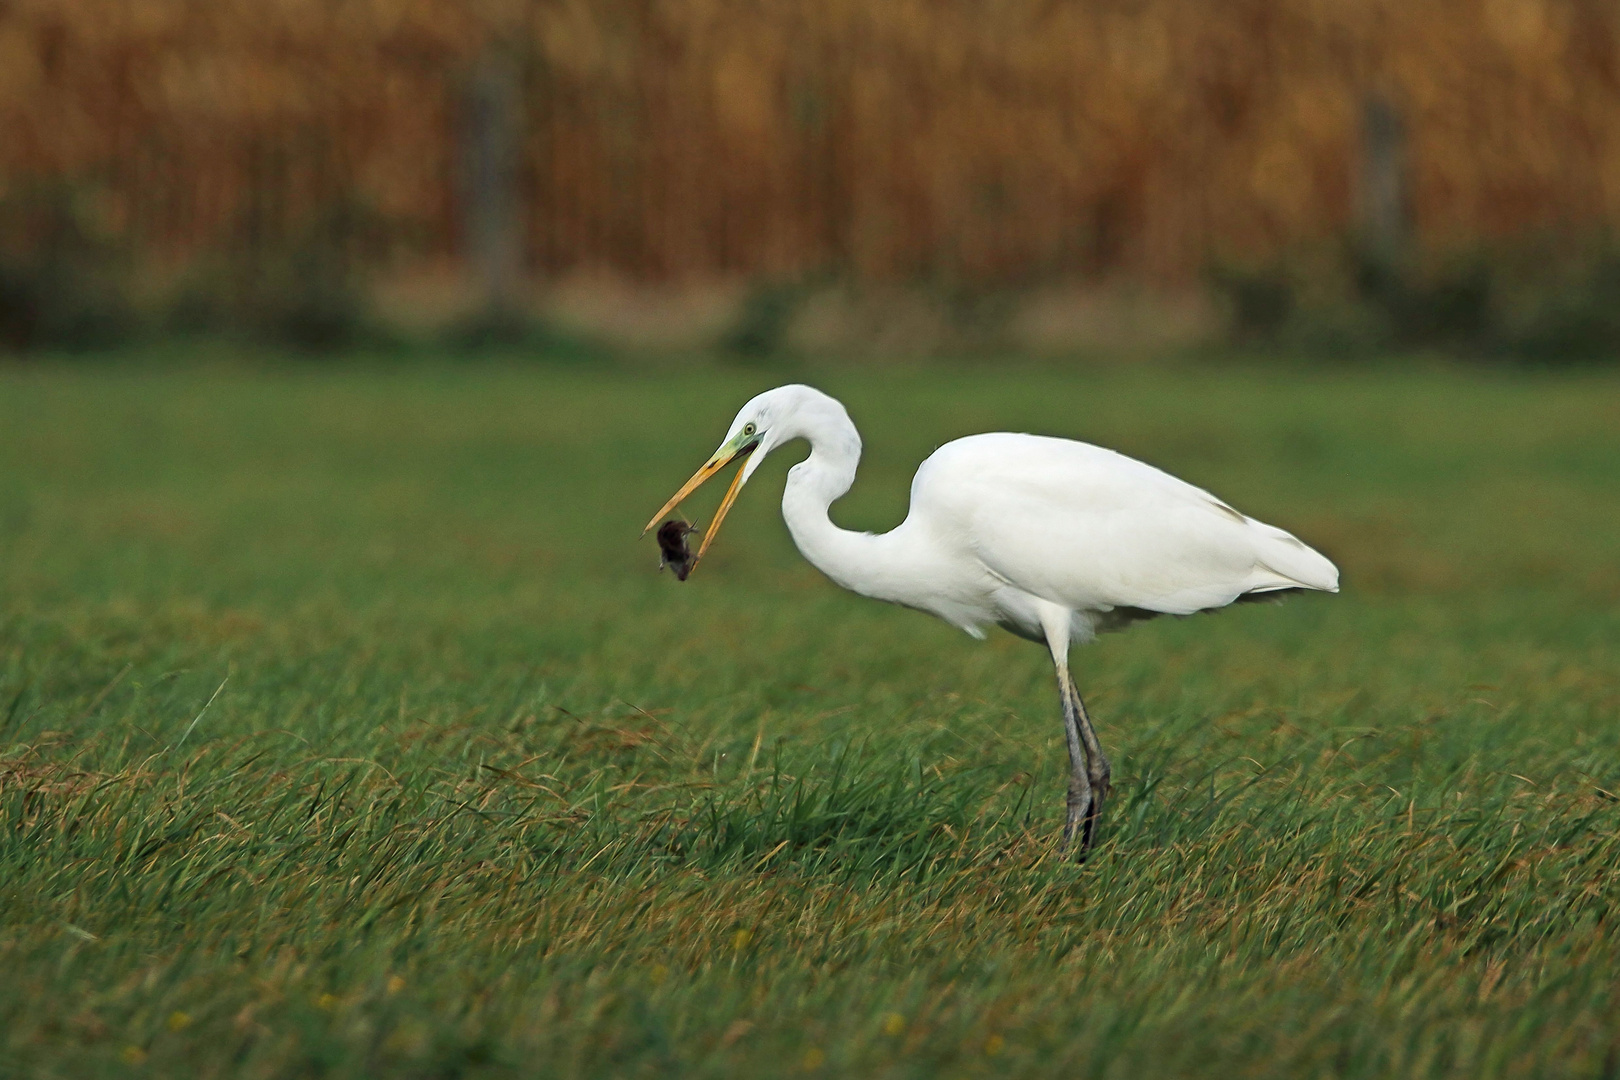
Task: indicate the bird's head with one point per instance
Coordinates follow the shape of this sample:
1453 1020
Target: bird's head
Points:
766 422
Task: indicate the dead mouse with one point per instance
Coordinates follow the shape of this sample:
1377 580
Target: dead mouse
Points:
672 549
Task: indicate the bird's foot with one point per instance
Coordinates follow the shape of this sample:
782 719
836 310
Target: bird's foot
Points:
1081 822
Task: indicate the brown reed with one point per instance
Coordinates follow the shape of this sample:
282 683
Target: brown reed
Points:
975 142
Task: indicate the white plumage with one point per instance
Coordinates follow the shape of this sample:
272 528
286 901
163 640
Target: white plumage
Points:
1094 531
1054 540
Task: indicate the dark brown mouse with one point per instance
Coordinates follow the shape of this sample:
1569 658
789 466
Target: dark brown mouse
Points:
672 549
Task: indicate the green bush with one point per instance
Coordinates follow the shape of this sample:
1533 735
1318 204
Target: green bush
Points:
1538 299
64 278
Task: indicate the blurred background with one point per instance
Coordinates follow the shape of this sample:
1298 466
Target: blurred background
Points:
814 176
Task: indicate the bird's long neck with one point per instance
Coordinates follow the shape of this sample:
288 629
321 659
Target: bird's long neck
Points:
855 560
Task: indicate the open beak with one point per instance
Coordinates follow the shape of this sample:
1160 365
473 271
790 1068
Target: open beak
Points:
722 457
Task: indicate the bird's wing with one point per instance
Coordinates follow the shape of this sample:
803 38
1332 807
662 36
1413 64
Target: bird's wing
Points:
1092 529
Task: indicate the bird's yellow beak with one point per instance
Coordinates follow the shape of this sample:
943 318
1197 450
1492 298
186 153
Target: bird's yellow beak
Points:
734 450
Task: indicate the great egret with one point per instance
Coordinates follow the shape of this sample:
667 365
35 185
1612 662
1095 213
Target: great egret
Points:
1054 540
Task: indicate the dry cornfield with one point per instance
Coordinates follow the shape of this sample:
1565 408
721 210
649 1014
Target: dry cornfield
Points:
997 142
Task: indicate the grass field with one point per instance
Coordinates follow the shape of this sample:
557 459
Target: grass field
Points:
347 729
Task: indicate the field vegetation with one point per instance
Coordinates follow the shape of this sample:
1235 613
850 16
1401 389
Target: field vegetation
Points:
980 145
347 729
1375 175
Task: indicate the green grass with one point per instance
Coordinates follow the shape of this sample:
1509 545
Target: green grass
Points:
346 729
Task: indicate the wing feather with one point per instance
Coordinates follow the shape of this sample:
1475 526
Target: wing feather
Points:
1095 530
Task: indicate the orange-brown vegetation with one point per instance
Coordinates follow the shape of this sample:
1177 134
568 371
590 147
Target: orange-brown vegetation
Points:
976 142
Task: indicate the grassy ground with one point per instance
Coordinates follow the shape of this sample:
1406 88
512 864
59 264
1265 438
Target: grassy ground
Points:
346 729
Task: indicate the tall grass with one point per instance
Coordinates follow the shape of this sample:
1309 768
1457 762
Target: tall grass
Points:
346 729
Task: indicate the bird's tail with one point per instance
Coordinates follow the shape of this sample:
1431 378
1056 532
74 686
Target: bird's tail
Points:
1289 563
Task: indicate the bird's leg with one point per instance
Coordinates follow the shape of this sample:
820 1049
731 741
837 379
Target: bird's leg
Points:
1097 769
1082 797
1056 623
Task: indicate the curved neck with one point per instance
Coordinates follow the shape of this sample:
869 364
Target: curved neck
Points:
854 560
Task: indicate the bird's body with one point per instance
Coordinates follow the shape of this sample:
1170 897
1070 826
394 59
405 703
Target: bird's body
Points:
1002 521
1053 539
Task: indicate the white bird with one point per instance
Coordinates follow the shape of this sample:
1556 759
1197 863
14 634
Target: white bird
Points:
1052 539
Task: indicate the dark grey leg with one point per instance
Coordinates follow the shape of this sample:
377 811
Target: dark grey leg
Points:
1088 768
1098 772
1081 796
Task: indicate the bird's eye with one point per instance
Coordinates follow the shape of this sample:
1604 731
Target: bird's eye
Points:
748 429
